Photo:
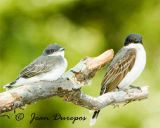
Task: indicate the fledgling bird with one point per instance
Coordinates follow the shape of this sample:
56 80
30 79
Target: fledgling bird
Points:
49 66
124 69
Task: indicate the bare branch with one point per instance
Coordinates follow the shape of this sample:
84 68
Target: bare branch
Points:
111 98
69 87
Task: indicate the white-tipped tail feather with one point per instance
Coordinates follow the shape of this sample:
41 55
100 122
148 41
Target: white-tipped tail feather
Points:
92 122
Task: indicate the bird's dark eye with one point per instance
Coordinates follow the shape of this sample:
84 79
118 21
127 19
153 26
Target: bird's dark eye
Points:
48 51
128 40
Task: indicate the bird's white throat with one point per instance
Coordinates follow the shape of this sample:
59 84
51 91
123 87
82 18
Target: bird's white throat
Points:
59 53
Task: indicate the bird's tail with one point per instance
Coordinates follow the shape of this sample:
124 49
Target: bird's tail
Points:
94 117
9 86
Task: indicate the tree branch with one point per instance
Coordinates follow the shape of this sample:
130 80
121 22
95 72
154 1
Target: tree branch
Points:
69 87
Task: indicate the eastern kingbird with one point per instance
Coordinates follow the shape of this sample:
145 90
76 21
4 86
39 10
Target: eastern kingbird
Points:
49 66
126 67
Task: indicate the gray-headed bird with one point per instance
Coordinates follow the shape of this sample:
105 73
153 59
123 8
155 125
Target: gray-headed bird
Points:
48 67
125 68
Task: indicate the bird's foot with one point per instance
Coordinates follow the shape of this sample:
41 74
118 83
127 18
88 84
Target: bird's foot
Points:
132 86
122 89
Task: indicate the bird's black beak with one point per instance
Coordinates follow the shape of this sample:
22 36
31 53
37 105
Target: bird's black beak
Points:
62 49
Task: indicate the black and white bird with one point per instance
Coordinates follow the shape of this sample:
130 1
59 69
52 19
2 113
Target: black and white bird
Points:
49 66
125 68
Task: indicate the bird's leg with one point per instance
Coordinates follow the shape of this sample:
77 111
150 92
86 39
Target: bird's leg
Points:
122 89
118 88
132 86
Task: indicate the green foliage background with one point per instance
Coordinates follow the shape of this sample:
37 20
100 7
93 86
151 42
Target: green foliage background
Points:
84 28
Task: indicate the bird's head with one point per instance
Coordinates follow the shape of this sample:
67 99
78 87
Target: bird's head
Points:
53 50
133 38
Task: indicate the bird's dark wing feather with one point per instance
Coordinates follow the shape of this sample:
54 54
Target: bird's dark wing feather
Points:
117 70
41 65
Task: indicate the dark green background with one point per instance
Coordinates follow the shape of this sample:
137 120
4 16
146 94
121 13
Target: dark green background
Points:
84 28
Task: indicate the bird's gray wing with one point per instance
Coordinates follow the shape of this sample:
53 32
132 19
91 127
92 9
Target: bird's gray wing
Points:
117 70
41 65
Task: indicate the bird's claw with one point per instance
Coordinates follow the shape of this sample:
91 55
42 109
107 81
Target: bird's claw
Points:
132 86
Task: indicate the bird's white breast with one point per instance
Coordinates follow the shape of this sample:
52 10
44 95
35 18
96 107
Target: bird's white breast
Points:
138 67
55 73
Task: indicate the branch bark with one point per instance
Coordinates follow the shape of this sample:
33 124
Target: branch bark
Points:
69 87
